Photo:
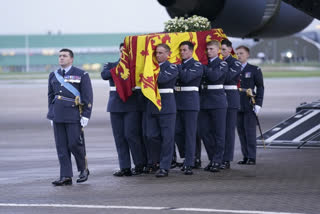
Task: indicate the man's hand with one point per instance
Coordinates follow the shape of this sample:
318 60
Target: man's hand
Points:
51 122
84 121
256 109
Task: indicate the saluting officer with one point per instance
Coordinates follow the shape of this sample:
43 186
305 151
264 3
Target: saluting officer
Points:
70 104
233 98
161 124
188 104
124 118
213 104
250 78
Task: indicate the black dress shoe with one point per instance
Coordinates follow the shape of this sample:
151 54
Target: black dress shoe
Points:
180 164
83 176
173 164
215 167
63 181
197 164
225 165
123 172
251 161
149 169
244 161
188 170
162 173
208 167
137 170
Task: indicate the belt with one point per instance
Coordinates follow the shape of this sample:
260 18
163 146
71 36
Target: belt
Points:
186 88
135 88
165 90
59 97
113 88
230 87
214 86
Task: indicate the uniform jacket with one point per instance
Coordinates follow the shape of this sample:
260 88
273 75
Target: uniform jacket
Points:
251 77
134 103
214 74
61 111
190 74
166 79
232 78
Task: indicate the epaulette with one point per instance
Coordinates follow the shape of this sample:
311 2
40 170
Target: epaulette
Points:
223 63
167 72
198 64
173 66
237 63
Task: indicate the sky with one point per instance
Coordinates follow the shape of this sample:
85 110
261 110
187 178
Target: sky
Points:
84 16
81 16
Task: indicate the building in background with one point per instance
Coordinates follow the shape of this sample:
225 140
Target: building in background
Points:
38 53
297 48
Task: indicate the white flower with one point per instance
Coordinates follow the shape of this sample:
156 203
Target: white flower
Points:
194 23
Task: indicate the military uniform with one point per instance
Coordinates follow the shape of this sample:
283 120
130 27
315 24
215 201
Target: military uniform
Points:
161 124
188 106
124 119
251 77
65 115
233 99
213 104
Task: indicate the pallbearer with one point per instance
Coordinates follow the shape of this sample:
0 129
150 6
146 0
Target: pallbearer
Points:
126 126
233 98
161 124
213 104
188 104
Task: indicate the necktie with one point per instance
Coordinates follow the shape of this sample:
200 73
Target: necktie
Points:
63 72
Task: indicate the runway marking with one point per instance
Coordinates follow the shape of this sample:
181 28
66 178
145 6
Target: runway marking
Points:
142 208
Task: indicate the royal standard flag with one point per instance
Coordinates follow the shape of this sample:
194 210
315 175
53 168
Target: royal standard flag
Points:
139 67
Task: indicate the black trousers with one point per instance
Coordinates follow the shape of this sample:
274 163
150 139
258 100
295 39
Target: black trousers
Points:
246 126
69 140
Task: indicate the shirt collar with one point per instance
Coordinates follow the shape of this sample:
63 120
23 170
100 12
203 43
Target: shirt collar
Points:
244 65
211 60
67 68
161 63
187 60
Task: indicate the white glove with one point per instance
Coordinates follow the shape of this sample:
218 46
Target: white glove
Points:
256 109
51 122
84 121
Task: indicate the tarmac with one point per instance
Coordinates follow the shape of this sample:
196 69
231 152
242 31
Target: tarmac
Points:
283 181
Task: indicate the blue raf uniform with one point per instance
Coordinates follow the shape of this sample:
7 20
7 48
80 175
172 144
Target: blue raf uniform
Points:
251 77
233 98
124 119
161 124
188 106
213 104
65 115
